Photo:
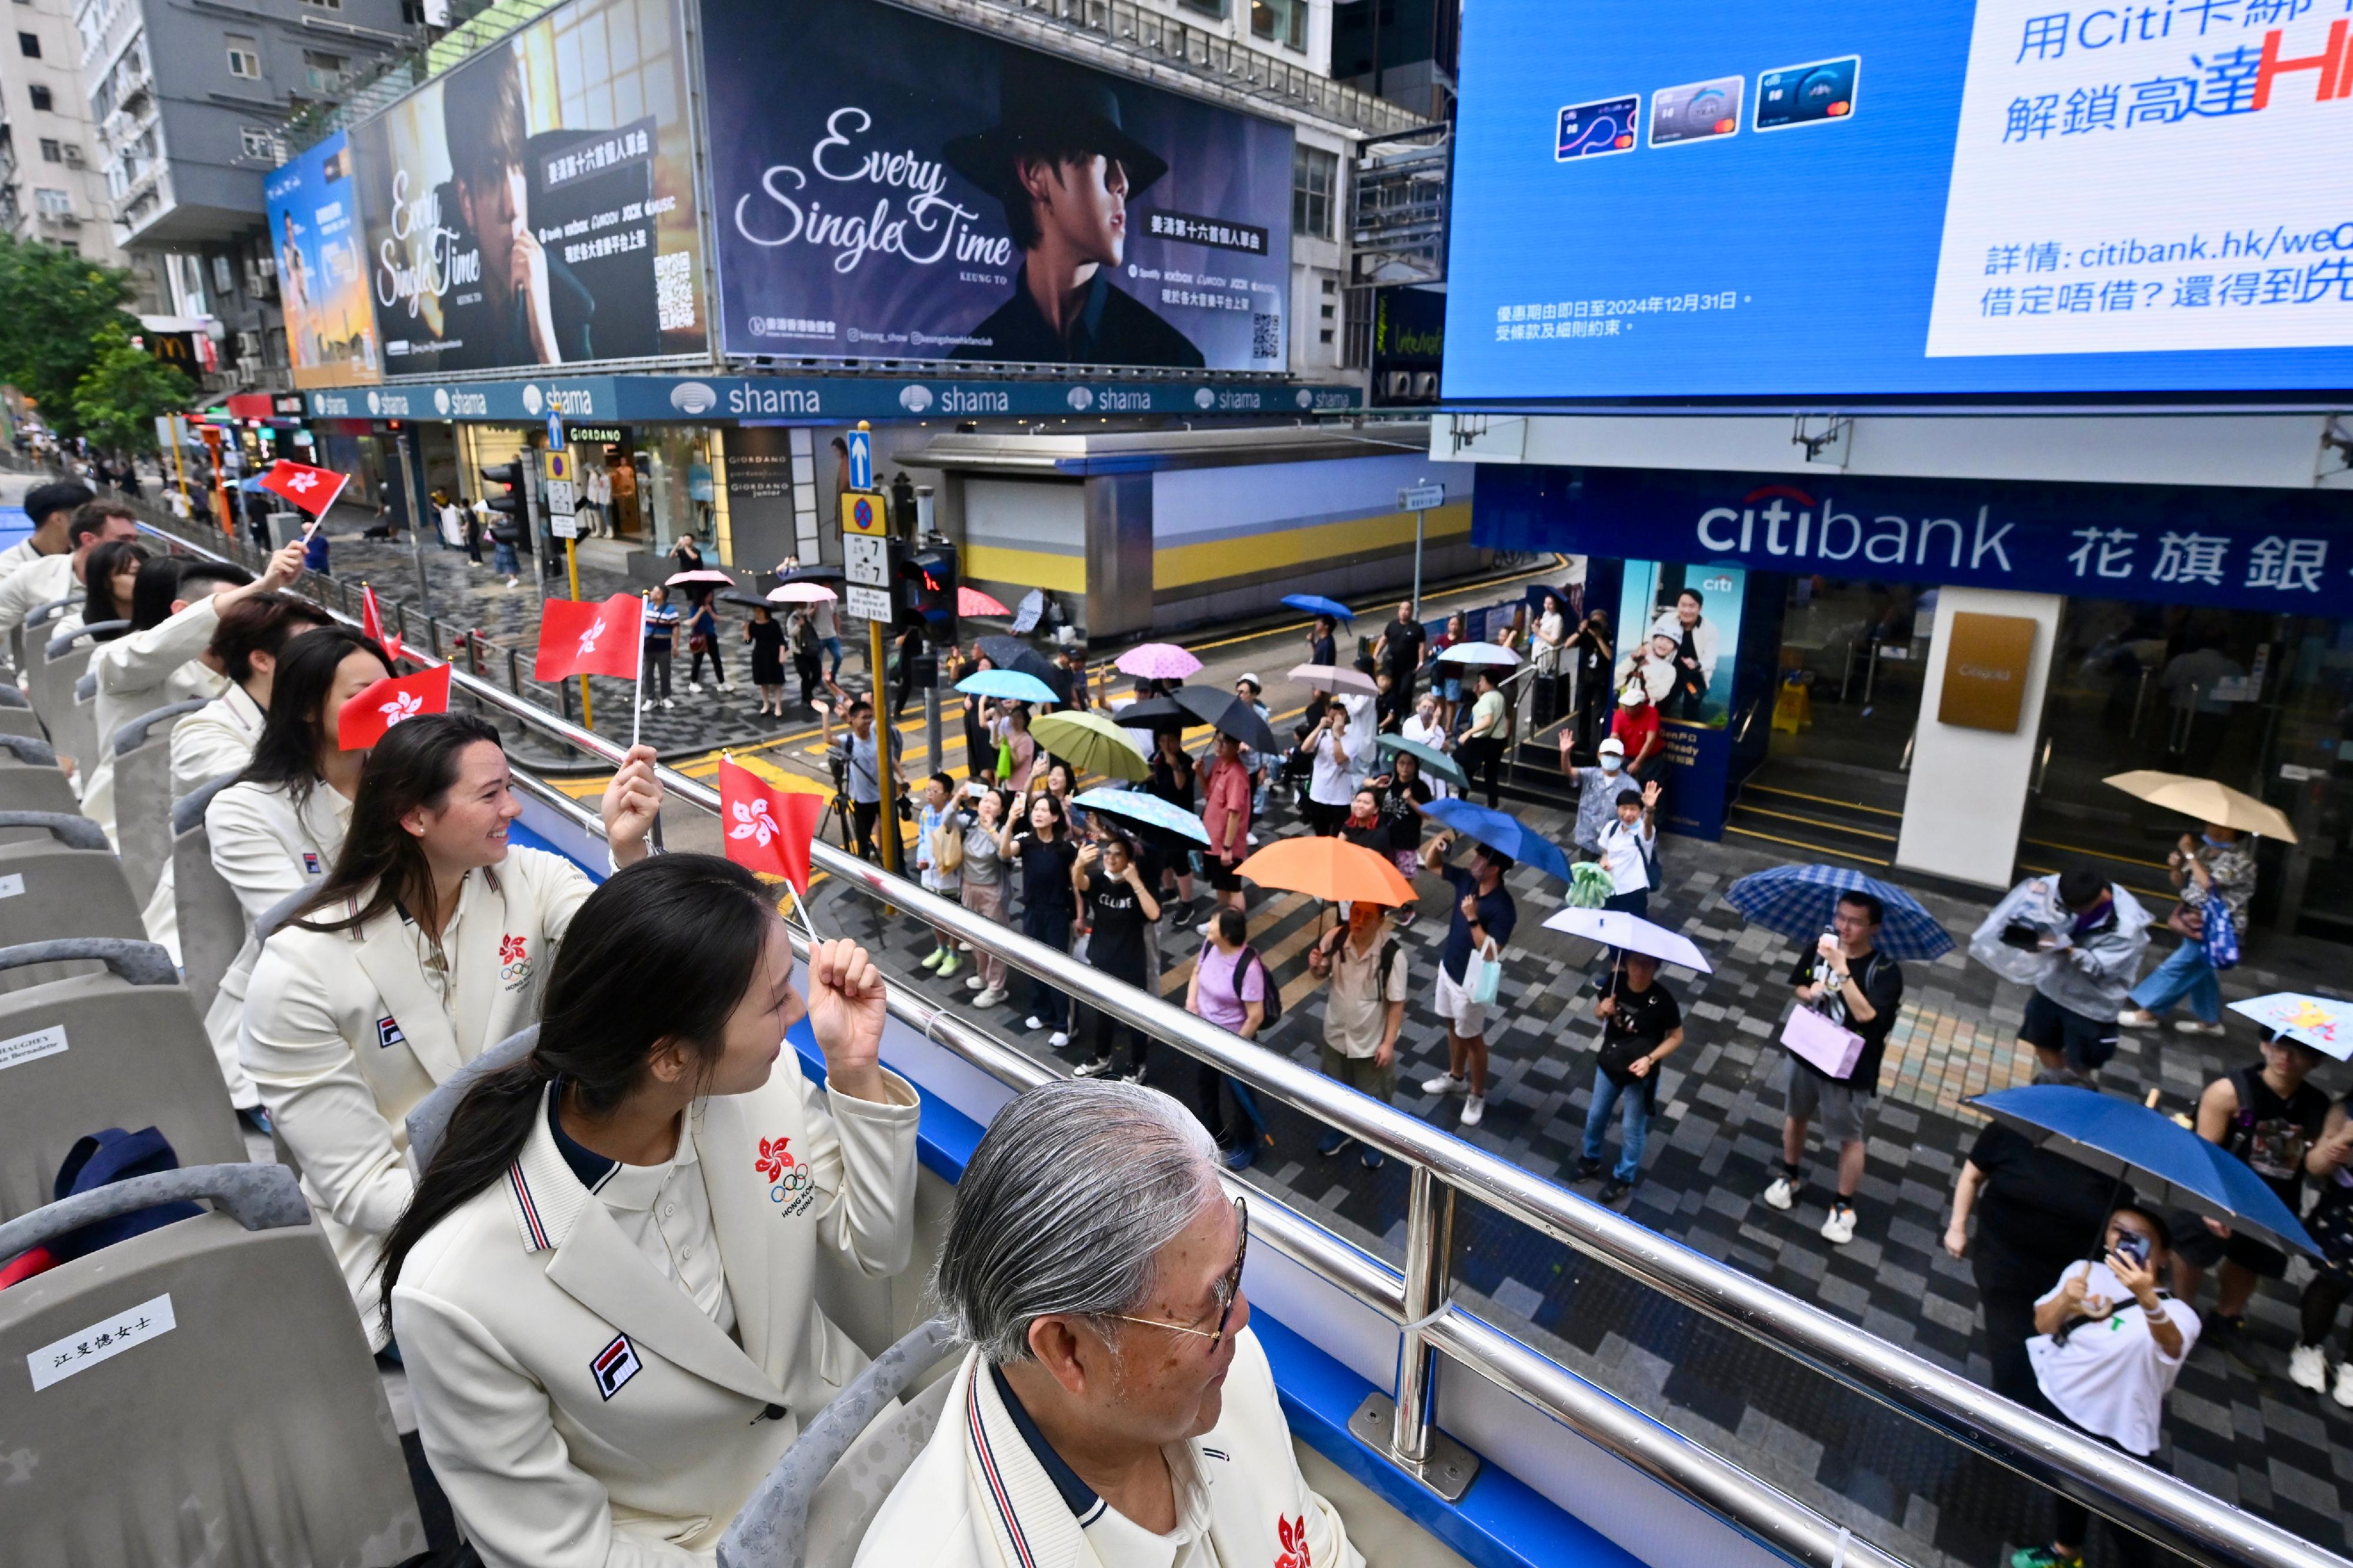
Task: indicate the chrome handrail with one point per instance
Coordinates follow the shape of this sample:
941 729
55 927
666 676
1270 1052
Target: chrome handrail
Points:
2176 1514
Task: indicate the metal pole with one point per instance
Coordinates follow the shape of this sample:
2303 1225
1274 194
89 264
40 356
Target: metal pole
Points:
878 659
1419 519
1429 1226
179 473
412 478
572 570
931 750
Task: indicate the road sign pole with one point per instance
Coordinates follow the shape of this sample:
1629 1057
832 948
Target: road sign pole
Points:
412 477
1417 500
1419 519
877 657
572 570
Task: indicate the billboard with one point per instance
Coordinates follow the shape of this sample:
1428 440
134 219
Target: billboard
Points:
535 205
2017 199
314 227
893 188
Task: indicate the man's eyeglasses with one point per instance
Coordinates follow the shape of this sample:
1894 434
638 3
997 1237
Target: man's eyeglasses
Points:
1228 1290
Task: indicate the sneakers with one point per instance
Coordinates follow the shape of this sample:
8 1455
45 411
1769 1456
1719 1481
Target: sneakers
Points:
2343 1392
1059 1038
2045 1557
1332 1142
932 960
990 997
2136 1018
1033 1023
974 982
646 706
1782 1194
670 702
1585 1171
2192 1026
1838 1229
1372 1160
1474 1110
2308 1368
1099 1067
948 964
694 687
1612 1191
1444 1083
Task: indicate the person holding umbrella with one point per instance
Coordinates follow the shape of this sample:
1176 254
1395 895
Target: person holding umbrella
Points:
1483 919
1365 965
2214 870
1850 985
1170 779
1641 1027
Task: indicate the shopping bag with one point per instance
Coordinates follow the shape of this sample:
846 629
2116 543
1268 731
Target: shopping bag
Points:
2033 902
2220 933
1482 976
1827 1045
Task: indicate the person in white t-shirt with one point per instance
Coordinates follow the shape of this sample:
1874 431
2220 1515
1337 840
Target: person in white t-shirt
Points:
2108 1345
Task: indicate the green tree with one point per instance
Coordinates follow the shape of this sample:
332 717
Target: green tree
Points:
116 402
57 309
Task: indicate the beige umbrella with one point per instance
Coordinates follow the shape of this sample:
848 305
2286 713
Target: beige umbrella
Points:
2206 801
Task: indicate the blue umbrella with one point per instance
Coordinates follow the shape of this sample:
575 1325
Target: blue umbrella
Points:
1797 901
1500 832
2168 1164
1006 686
1317 605
1148 809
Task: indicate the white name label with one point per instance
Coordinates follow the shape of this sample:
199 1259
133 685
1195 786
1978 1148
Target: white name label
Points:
32 1047
107 1338
12 884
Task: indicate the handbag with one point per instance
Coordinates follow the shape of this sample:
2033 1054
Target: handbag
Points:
1826 1045
947 846
2219 933
1617 1057
1482 976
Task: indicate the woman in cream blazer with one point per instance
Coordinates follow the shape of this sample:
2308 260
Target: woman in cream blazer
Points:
603 1288
428 942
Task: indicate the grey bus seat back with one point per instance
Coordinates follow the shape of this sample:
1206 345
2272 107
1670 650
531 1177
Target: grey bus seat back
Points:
28 644
429 1117
73 725
67 642
122 1048
12 697
212 921
61 882
246 1413
142 794
20 720
814 1506
30 779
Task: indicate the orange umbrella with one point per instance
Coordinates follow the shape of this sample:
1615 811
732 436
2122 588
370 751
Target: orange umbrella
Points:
1328 869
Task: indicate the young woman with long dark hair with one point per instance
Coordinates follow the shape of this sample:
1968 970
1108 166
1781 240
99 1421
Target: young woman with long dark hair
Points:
281 825
1038 836
109 578
603 1286
428 942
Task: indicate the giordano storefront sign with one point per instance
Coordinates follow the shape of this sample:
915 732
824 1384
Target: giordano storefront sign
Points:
718 399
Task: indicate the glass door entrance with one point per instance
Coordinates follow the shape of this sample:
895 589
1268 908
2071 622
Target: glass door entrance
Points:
1857 653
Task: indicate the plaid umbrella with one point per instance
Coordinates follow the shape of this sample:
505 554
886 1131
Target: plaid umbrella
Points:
1797 901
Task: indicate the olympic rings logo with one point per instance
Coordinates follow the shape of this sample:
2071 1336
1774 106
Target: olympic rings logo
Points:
794 1181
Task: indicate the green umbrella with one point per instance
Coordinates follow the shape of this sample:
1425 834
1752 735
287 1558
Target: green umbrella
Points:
1092 744
1433 761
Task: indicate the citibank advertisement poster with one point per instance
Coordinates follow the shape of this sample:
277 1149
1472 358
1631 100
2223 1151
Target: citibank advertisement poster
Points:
889 187
535 205
314 224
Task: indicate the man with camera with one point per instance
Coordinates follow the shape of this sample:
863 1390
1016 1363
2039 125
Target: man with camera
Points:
856 760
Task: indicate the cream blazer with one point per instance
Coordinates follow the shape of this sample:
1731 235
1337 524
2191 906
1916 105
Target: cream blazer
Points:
265 850
578 1408
344 1032
216 739
976 1496
138 673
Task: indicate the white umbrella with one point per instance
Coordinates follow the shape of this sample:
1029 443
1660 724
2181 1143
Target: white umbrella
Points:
1332 677
1616 928
702 576
1479 653
802 594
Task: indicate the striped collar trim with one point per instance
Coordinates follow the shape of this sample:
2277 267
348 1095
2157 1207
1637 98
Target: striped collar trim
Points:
543 1194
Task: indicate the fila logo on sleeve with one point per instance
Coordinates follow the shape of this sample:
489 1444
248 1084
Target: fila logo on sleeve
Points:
311 867
615 1365
387 1032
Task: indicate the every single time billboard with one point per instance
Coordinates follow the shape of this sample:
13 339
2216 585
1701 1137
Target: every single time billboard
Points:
2003 200
322 278
889 187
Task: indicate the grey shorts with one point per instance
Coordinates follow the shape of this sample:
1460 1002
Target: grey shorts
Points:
1842 1111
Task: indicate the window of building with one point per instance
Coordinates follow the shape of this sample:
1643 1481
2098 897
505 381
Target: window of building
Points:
224 276
50 152
322 72
412 13
243 56
29 45
70 247
325 5
1314 181
255 142
1283 21
41 100
56 203
1207 7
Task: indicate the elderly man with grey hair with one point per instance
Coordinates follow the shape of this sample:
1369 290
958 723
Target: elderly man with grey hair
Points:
1115 1409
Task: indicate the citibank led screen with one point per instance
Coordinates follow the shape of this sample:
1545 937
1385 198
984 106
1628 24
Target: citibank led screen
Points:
889 187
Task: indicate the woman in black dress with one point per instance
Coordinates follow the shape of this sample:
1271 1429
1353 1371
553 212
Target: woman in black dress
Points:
767 640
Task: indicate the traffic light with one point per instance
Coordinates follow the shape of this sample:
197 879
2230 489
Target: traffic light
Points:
927 580
514 476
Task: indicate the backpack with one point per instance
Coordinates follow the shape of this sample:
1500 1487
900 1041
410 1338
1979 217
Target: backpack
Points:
1273 1002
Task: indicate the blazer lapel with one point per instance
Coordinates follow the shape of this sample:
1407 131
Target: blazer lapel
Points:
741 1214
485 921
387 954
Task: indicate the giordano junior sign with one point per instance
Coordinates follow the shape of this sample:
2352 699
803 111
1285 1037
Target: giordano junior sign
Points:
655 399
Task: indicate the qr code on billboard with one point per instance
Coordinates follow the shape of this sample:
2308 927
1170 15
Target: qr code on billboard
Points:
674 290
1266 335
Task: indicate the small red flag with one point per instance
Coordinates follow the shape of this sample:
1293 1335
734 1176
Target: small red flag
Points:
372 625
365 718
312 490
768 829
588 638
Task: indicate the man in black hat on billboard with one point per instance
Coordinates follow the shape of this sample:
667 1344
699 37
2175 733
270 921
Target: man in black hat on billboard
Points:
1064 168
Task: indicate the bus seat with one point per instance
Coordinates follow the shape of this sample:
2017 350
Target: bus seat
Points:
17 715
813 1509
30 779
62 881
28 644
122 1048
212 923
142 794
430 1118
72 724
203 1387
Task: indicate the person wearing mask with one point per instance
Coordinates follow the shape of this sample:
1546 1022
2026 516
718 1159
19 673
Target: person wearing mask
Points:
1641 1027
1485 738
1692 660
2036 1212
2108 1344
1425 726
1854 985
1480 924
1398 654
1366 967
1169 777
660 628
981 887
1121 910
2329 1162
603 1288
1630 849
860 757
427 942
2269 1118
1115 1408
1598 788
1331 750
767 640
939 857
1038 838
280 825
1225 813
1228 989
2070 1019
2216 868
220 737
47 508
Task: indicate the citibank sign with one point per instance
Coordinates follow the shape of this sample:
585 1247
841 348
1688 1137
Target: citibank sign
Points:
1783 520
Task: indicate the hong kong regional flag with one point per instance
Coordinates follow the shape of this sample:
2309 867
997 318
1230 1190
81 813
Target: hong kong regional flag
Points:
588 639
312 490
768 829
365 718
